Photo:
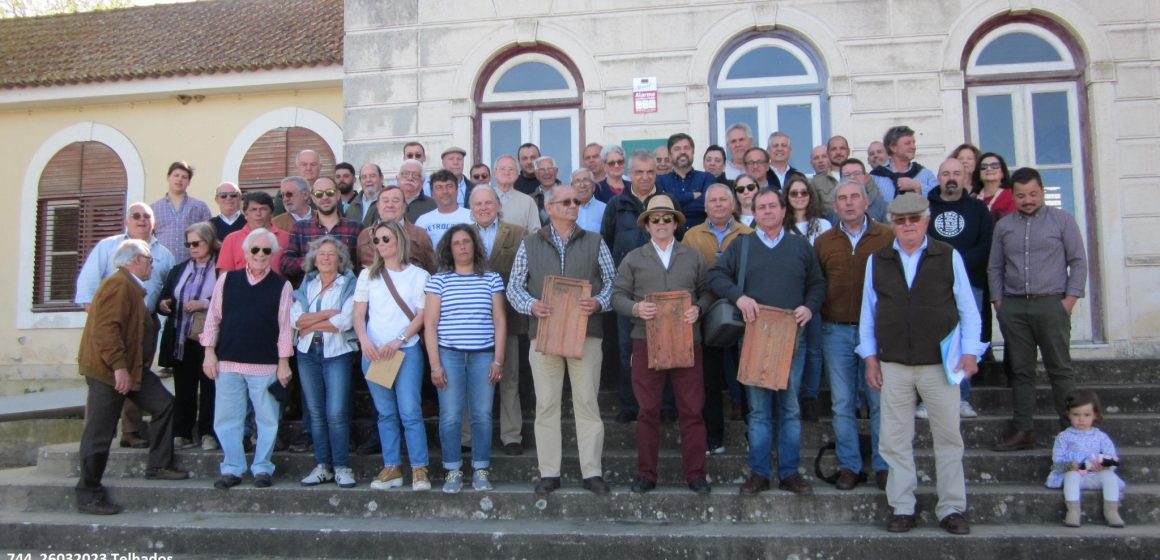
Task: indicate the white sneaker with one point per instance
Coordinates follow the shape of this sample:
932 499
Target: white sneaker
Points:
966 410
320 474
480 482
344 476
454 482
208 443
921 412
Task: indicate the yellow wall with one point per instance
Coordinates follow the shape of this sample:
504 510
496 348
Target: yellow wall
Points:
162 131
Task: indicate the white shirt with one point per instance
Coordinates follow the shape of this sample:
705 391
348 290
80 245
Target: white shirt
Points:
823 227
590 215
333 344
385 320
666 255
229 220
437 223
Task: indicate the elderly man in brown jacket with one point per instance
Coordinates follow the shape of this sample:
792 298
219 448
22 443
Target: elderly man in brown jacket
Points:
663 265
111 359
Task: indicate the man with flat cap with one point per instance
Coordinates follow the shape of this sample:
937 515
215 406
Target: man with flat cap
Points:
916 293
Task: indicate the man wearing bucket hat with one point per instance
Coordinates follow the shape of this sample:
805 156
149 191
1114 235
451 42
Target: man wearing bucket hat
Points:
782 272
916 292
663 265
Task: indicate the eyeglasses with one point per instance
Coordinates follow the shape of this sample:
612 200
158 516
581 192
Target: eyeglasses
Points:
742 188
614 162
285 194
582 182
141 216
664 159
146 259
666 218
224 195
327 192
193 244
410 175
264 250
413 155
384 240
992 165
903 220
799 194
756 162
481 177
567 202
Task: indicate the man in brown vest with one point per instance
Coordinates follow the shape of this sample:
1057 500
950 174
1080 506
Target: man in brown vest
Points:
563 248
916 294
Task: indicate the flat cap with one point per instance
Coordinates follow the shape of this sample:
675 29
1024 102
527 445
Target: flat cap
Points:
908 203
453 150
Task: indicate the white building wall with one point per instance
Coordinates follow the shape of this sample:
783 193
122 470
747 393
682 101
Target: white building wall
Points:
412 68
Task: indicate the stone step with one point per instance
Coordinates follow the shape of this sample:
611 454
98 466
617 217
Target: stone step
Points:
1133 430
252 534
981 466
29 491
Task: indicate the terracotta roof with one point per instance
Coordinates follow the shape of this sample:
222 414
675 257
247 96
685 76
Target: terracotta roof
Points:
170 40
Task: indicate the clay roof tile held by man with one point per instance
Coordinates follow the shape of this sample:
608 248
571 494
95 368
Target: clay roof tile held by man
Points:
170 40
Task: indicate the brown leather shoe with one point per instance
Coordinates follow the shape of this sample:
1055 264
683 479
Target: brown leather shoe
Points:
754 485
847 480
901 523
1021 439
955 524
880 478
797 484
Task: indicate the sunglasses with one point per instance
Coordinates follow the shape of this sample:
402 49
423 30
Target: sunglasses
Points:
567 202
903 220
413 155
614 162
384 240
799 194
193 244
993 165
264 250
141 216
328 193
225 195
667 218
742 188
481 177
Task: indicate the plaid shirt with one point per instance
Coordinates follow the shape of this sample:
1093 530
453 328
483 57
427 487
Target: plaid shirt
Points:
522 301
171 223
306 231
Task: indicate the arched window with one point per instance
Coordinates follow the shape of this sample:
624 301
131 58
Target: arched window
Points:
271 157
530 95
1024 79
80 200
771 82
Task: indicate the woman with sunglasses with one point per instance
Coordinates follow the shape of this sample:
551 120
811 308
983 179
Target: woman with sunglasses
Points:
247 340
993 185
807 218
388 315
745 187
464 316
185 299
614 182
323 316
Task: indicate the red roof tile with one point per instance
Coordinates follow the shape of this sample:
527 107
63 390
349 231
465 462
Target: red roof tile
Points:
168 40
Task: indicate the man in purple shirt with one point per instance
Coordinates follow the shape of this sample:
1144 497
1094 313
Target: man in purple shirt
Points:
177 210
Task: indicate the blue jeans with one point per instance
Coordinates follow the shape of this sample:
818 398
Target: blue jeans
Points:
233 392
812 374
844 369
789 425
403 401
466 374
326 388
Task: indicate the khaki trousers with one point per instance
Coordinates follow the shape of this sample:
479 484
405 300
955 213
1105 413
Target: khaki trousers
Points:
899 386
511 417
548 378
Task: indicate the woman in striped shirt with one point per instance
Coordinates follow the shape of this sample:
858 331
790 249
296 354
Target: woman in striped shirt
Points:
463 317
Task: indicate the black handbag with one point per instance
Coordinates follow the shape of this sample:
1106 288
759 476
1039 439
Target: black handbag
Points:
723 323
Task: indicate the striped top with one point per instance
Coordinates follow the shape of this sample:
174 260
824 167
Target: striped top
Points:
465 321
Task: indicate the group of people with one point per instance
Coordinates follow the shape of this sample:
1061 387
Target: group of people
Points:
436 279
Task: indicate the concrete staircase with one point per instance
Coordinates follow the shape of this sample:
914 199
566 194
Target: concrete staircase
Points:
1012 514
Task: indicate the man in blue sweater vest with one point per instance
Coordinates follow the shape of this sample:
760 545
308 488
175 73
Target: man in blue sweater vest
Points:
782 271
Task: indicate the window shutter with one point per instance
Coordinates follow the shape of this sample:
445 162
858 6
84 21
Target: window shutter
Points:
271 157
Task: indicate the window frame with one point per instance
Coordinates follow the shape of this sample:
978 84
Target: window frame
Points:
1067 64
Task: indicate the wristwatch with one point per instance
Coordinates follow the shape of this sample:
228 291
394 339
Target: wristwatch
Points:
403 337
